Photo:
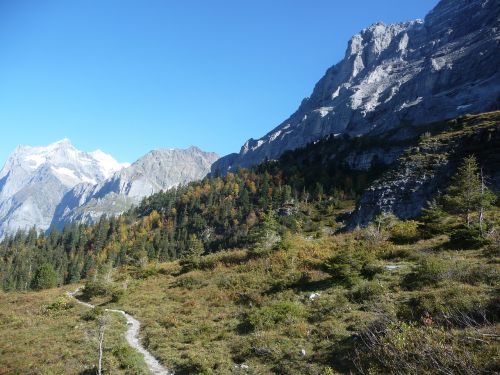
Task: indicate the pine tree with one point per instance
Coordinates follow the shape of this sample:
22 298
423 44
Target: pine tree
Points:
433 220
468 193
194 252
45 277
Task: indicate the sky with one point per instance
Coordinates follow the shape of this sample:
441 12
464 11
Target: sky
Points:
129 76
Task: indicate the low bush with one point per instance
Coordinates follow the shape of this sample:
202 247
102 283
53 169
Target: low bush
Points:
117 294
454 304
467 238
188 282
60 304
401 348
368 291
130 360
348 267
429 270
404 231
93 314
278 313
325 306
95 289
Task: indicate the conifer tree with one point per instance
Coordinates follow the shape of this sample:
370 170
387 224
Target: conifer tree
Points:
468 192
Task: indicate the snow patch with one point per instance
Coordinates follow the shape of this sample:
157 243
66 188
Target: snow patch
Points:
410 104
274 136
107 163
463 107
36 160
324 111
260 142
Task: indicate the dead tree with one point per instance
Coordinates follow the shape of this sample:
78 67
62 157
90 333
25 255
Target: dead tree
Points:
102 321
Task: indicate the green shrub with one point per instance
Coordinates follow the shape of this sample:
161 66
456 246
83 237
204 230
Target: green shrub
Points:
433 221
95 289
467 238
348 267
147 271
93 314
45 277
187 282
281 312
130 360
117 294
430 270
326 305
454 304
368 291
60 304
405 231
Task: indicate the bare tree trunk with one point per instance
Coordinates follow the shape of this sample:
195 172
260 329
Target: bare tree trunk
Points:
102 327
481 208
29 275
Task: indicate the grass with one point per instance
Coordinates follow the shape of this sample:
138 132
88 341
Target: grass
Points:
313 305
286 312
46 333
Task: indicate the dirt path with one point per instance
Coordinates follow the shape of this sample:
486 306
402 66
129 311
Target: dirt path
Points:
132 336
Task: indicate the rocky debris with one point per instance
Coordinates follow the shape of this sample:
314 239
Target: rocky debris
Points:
314 296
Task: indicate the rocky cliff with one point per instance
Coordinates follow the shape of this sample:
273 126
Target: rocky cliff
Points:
425 169
403 74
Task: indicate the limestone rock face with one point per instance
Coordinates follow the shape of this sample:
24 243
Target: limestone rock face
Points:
407 74
426 169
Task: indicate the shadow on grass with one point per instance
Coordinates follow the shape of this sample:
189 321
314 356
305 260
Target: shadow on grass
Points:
90 371
302 285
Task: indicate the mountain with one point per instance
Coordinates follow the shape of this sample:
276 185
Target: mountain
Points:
156 171
34 180
396 76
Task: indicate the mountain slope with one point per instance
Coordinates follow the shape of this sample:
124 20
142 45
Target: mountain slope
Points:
425 169
34 179
156 171
408 73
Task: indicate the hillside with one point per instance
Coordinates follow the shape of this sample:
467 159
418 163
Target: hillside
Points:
251 273
378 300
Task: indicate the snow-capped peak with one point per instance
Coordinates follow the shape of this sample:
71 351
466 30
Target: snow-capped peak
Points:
35 178
108 164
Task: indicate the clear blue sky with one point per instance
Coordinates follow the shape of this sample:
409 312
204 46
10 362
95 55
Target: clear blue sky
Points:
129 76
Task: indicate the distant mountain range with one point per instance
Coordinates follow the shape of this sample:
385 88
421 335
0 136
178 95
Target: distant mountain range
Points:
392 80
396 76
50 186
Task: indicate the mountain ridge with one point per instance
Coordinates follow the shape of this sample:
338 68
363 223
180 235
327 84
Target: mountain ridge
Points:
39 185
157 170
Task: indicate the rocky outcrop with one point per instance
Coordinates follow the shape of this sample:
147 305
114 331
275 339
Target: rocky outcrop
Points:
426 169
403 74
158 170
